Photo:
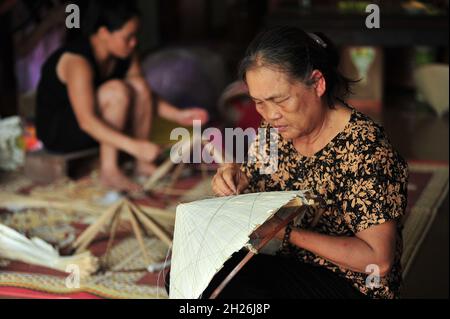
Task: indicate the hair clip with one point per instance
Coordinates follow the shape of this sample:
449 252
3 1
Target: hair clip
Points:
318 40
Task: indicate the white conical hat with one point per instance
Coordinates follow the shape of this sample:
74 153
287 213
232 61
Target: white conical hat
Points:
208 232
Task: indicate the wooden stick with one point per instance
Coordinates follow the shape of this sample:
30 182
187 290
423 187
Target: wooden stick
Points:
114 225
284 215
12 201
98 223
231 275
281 222
164 168
172 191
152 225
176 174
137 231
89 234
157 212
158 174
79 154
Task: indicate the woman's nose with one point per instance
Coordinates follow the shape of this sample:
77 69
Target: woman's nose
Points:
273 113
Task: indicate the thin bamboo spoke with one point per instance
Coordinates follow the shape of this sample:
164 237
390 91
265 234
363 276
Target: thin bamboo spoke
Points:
137 232
152 225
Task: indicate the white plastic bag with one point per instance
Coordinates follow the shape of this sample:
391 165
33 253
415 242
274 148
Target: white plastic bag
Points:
12 154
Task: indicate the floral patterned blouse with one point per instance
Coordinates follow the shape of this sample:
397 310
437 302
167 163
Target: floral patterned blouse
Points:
360 173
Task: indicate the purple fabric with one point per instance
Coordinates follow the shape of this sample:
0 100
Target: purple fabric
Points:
28 69
178 77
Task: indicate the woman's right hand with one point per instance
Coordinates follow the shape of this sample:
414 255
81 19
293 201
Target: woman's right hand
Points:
146 151
229 180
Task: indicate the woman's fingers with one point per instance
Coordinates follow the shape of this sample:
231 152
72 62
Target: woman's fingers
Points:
229 181
229 176
242 183
220 187
145 151
186 117
149 151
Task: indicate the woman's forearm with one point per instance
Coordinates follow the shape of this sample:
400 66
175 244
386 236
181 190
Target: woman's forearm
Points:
167 110
350 253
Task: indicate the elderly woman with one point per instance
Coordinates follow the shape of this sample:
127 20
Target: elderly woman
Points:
325 146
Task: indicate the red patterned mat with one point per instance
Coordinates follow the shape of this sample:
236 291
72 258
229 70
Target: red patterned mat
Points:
125 277
428 186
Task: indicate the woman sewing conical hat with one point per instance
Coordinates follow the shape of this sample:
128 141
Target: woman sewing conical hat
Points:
333 150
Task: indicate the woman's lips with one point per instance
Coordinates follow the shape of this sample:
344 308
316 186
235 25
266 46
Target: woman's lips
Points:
281 128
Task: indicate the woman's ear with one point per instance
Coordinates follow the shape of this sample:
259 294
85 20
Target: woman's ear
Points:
320 85
103 32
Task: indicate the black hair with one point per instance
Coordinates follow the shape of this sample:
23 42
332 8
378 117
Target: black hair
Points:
297 53
112 14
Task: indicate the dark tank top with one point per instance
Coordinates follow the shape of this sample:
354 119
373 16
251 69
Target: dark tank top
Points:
56 123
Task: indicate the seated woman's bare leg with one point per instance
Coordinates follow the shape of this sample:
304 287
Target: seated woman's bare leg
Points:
142 114
115 98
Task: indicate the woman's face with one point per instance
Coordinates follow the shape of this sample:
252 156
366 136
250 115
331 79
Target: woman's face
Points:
122 42
287 105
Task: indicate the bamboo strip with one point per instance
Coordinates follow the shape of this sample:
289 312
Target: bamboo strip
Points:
114 226
157 212
100 222
137 231
172 191
152 225
89 234
165 167
158 174
14 201
176 174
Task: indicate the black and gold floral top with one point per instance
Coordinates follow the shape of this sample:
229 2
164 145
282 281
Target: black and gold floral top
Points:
363 177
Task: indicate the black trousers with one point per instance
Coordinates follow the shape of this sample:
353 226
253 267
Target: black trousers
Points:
277 277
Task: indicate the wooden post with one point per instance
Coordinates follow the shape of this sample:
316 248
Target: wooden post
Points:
8 88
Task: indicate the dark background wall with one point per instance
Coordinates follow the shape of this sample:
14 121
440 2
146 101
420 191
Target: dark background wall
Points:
227 26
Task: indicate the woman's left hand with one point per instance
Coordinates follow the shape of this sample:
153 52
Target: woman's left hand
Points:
186 117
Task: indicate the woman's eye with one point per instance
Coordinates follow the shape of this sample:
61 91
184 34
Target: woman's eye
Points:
281 100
